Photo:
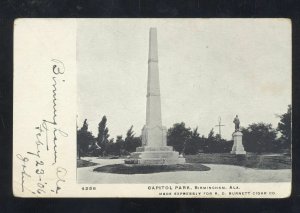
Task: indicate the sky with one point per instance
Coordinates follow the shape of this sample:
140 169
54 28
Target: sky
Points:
209 68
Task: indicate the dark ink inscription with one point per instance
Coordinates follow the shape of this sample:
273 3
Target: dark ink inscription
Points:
46 132
23 173
45 127
58 69
60 174
37 142
55 132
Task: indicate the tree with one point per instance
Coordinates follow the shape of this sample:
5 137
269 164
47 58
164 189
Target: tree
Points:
259 137
120 144
177 136
285 128
85 125
103 135
128 140
215 144
194 143
131 142
211 134
209 142
130 133
110 147
85 140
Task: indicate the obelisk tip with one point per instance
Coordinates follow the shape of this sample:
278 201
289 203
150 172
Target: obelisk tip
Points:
153 45
152 29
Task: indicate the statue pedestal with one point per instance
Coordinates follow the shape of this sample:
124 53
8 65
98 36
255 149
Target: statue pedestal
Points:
238 147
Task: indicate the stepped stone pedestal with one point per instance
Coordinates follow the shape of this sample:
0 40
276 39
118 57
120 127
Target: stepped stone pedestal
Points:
238 147
154 149
155 156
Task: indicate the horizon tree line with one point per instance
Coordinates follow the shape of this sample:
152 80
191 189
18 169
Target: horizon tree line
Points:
257 138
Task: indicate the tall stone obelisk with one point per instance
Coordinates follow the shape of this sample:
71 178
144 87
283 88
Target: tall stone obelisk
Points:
154 133
154 149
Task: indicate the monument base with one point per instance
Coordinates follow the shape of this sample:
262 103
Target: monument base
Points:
238 148
238 152
155 156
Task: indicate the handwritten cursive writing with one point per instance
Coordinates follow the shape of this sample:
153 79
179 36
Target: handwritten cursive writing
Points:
58 68
36 164
60 174
38 142
23 173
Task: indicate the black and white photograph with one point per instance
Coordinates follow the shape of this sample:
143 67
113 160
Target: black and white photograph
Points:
183 101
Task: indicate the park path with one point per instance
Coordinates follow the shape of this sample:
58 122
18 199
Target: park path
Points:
216 174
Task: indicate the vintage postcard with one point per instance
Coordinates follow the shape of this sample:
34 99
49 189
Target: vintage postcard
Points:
183 108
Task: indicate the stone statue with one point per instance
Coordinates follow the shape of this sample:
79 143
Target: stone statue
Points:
236 121
237 136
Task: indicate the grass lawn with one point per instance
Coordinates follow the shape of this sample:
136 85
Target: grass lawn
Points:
146 169
84 163
250 160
